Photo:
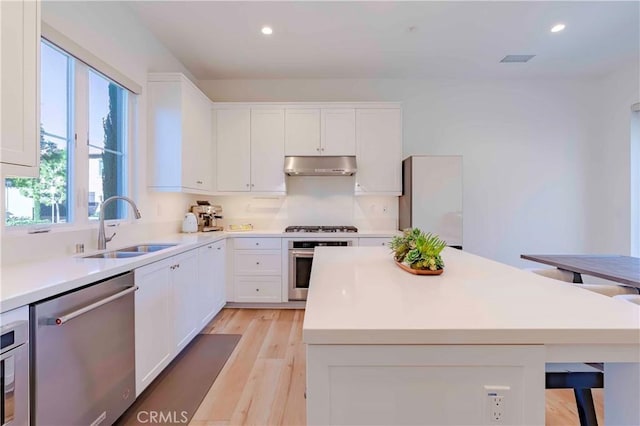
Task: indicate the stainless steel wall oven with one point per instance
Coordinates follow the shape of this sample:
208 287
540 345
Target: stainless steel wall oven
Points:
14 374
300 261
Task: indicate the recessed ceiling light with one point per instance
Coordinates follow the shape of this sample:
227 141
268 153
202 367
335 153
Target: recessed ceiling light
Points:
267 30
557 28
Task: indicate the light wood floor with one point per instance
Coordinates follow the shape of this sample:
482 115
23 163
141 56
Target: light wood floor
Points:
263 382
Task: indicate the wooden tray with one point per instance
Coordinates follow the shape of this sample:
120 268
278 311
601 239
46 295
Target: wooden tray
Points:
419 271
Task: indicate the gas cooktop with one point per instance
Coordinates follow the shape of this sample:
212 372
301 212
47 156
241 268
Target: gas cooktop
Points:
327 229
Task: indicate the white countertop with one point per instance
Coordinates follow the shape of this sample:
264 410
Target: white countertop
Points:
358 295
25 283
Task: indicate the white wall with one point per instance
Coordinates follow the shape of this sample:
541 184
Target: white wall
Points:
111 32
527 146
611 166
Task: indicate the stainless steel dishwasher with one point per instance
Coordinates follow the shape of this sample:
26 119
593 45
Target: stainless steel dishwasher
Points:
83 354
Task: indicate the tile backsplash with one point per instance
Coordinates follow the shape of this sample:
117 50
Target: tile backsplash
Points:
312 200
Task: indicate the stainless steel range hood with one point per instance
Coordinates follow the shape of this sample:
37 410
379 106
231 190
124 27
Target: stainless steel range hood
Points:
320 166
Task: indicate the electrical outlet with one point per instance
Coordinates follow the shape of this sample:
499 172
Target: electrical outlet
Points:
496 408
496 399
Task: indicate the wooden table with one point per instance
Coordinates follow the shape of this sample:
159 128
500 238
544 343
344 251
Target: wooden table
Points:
622 269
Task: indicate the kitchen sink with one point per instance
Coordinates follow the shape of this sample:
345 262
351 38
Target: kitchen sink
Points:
132 251
145 248
114 255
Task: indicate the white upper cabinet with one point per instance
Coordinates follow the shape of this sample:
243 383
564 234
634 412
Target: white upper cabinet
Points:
180 135
338 131
252 140
267 150
198 150
20 52
302 132
250 150
233 138
315 131
379 151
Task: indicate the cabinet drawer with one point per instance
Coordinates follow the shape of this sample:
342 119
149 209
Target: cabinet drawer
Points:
374 242
257 262
257 243
258 289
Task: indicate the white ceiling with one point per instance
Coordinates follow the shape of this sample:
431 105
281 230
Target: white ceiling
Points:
216 40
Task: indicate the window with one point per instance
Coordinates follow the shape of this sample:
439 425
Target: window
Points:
107 145
45 199
76 100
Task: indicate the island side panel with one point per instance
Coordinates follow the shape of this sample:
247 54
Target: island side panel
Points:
423 384
622 393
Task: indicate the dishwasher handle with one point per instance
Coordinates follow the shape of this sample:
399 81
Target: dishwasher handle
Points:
68 317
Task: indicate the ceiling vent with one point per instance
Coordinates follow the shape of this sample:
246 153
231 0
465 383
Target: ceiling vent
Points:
516 59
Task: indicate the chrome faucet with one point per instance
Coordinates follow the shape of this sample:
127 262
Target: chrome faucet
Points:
102 239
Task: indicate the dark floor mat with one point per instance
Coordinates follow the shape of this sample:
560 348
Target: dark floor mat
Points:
175 395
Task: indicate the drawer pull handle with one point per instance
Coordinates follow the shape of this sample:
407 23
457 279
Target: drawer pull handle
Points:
257 244
257 263
199 182
257 289
218 248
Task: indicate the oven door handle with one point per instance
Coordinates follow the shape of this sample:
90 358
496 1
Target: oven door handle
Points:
68 317
301 253
8 386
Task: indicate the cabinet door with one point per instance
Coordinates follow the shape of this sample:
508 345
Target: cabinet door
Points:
153 325
184 281
20 48
210 286
196 140
233 136
302 135
257 289
219 270
257 262
267 150
338 132
379 151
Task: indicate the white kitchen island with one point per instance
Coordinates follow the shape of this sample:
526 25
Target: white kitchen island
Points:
388 347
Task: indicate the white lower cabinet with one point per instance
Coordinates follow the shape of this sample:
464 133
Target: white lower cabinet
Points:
184 286
166 314
153 321
257 270
258 288
211 281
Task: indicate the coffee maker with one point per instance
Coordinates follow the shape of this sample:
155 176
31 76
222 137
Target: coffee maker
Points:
209 217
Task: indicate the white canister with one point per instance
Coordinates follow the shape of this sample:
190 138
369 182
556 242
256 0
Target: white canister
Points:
190 223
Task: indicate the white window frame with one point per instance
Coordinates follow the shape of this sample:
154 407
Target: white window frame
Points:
78 155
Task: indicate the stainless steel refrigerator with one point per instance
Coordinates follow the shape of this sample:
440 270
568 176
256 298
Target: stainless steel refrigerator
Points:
432 196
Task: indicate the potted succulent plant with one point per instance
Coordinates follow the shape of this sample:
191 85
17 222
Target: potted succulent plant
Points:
418 252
